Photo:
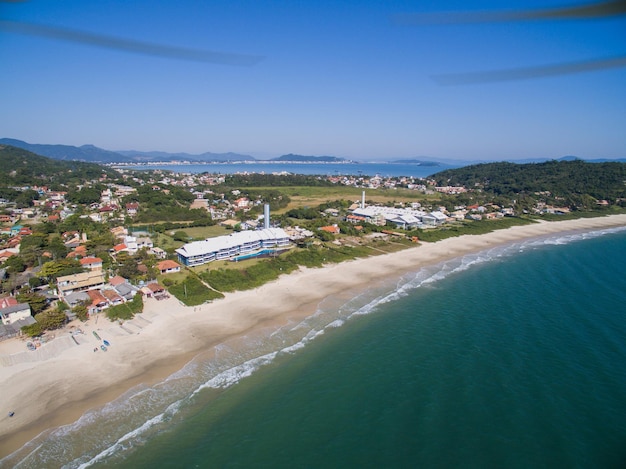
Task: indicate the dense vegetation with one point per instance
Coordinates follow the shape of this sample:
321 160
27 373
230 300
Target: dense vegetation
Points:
169 204
227 280
469 228
20 167
569 181
274 180
192 292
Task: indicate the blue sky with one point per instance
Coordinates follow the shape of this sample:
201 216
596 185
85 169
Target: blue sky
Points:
337 78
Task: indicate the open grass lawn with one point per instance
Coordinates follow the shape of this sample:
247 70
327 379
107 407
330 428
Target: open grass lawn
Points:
165 241
175 277
203 232
309 196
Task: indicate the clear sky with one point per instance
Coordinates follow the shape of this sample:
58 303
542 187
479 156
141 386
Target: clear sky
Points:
337 78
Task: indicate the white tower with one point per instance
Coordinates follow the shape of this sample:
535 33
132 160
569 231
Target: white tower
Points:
363 200
266 216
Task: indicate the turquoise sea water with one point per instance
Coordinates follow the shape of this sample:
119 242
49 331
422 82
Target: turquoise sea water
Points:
511 358
327 169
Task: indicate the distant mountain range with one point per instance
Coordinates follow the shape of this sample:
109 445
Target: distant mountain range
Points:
87 153
93 154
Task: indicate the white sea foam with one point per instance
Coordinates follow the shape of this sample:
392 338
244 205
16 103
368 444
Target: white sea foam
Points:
336 323
235 374
119 444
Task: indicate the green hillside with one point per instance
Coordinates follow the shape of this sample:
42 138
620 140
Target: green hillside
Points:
563 179
20 167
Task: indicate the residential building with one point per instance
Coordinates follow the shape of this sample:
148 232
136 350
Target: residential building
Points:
226 247
14 313
91 263
132 208
144 242
334 229
168 267
80 282
14 329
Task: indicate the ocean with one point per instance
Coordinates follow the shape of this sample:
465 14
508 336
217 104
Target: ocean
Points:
324 169
510 358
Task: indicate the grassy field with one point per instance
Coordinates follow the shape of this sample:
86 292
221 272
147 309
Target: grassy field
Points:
203 232
309 196
165 242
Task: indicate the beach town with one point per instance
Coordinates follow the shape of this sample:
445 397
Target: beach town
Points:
125 277
70 374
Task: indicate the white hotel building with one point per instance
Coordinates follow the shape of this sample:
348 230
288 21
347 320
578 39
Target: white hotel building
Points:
404 218
233 245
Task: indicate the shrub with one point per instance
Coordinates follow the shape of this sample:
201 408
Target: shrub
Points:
127 310
193 292
50 320
32 330
81 312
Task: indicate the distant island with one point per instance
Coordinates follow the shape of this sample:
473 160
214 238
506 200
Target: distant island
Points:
310 159
416 162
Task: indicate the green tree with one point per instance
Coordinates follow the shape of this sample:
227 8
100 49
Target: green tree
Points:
35 240
86 196
37 302
181 236
15 264
25 198
99 241
54 269
32 330
50 320
35 282
57 248
129 269
324 235
81 312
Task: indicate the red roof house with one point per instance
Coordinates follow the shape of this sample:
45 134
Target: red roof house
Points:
168 267
92 263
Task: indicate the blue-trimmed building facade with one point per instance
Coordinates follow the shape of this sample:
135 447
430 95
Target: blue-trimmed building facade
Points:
235 244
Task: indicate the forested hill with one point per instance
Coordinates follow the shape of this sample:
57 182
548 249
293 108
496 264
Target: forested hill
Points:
21 167
561 178
87 153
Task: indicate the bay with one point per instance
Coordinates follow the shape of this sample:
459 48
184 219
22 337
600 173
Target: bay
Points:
324 169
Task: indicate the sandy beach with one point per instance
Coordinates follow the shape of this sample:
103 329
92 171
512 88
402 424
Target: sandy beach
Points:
58 382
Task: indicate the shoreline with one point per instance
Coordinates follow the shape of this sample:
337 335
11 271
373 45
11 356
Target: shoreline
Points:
70 380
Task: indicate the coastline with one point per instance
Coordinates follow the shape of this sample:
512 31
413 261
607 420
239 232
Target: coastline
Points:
57 390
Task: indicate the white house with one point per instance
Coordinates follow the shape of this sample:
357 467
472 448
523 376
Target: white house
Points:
168 267
91 263
14 313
